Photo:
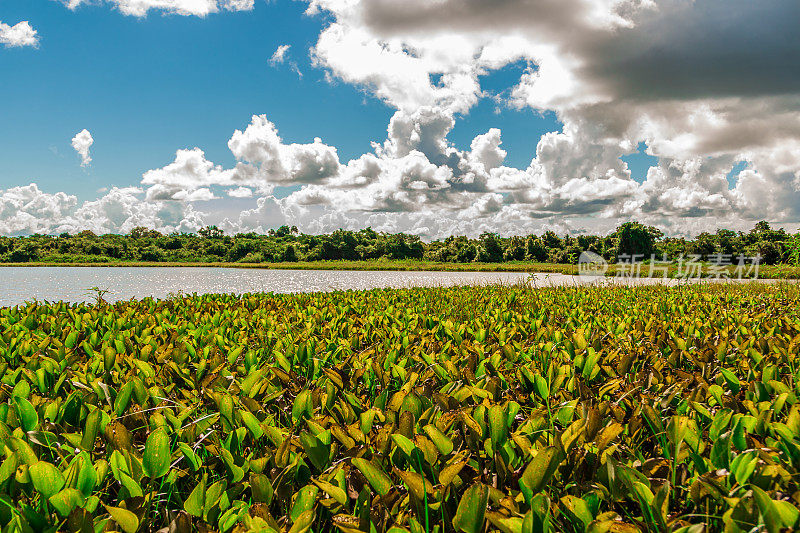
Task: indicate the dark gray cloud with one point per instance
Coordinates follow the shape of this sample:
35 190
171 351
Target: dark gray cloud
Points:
706 49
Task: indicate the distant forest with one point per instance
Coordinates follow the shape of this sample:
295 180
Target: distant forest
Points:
286 244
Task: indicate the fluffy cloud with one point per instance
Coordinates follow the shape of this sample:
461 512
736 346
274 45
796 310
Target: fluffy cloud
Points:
82 142
199 8
188 178
21 34
28 209
676 75
264 161
280 54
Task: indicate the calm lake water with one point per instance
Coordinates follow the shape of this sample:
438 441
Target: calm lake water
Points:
72 284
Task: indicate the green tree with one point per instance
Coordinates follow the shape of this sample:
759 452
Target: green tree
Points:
290 255
211 232
634 239
535 250
489 250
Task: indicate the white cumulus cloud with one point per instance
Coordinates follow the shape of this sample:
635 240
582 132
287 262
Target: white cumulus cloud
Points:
20 34
199 8
82 143
676 75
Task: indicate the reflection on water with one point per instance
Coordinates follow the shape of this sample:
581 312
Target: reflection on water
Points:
20 284
72 284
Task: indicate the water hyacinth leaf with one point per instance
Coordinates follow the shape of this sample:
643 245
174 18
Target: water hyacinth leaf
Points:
577 510
497 425
67 500
191 457
316 451
303 522
505 523
539 471
439 439
449 472
789 514
235 471
416 483
302 407
769 513
26 413
375 476
123 399
195 503
538 518
262 489
304 501
731 380
46 478
252 423
91 429
404 443
126 520
333 491
470 515
157 455
87 475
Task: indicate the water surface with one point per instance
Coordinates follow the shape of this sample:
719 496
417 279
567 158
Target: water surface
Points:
73 284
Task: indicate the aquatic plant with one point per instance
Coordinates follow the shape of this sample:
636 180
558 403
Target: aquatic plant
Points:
464 409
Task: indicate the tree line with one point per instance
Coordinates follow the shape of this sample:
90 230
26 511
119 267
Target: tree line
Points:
287 244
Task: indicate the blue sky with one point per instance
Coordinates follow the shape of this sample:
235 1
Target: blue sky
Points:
571 116
146 87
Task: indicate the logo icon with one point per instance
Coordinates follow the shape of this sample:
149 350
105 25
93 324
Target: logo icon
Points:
591 265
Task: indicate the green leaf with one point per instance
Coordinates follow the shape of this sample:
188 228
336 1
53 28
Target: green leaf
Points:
577 510
27 413
789 513
471 511
195 503
303 522
497 425
316 451
194 461
404 443
87 476
261 488
123 399
768 511
335 492
156 458
302 408
416 484
442 442
590 368
237 472
91 429
124 518
304 501
540 470
252 423
376 477
46 478
67 500
732 381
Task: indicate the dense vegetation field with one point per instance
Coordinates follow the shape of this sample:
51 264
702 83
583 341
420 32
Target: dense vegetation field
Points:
507 409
